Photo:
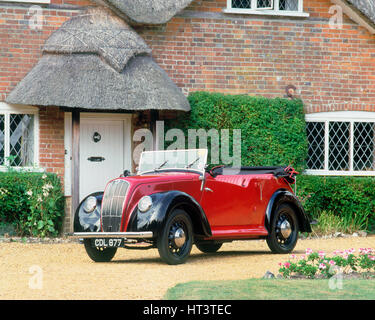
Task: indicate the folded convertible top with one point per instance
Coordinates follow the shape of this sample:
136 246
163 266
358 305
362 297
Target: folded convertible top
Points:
280 172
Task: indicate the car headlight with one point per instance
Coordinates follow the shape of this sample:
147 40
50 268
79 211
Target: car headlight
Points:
145 203
90 204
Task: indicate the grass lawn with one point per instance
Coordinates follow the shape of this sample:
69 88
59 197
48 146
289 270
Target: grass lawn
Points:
274 289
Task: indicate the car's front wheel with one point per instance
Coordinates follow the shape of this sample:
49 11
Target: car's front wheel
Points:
98 254
283 233
176 238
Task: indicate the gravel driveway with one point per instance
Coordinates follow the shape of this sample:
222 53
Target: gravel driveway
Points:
64 271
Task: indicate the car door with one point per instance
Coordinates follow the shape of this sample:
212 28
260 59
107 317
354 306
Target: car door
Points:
231 200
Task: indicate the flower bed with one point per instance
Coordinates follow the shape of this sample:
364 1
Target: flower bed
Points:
319 265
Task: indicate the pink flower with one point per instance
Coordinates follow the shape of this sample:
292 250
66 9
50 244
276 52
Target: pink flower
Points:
293 256
309 251
332 263
322 266
280 264
365 250
287 265
372 258
321 254
303 257
337 252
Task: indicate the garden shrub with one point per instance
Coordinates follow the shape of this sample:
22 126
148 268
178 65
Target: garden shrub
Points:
33 203
350 198
272 130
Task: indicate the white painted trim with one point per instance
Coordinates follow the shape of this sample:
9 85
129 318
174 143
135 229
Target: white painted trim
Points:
354 15
351 147
340 116
300 6
23 169
68 154
356 116
7 109
276 4
17 108
339 173
268 13
28 1
326 146
274 11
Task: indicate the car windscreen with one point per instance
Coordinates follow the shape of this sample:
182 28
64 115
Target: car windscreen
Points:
192 159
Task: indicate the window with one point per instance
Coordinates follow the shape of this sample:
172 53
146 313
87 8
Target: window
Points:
28 1
267 7
341 143
18 136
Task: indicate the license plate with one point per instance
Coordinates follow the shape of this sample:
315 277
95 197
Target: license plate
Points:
107 242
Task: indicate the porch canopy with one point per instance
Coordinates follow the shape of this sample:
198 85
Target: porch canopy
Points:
95 61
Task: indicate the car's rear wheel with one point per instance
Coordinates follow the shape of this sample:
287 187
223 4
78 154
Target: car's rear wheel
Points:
208 246
283 233
98 254
176 238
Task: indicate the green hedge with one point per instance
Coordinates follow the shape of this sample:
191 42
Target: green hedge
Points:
272 130
32 202
350 198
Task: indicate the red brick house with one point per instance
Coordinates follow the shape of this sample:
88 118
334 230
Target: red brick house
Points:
64 70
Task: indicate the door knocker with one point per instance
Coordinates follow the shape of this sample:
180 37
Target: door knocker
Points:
96 137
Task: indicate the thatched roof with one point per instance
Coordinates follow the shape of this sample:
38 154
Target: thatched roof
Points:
366 7
150 11
95 61
97 31
86 81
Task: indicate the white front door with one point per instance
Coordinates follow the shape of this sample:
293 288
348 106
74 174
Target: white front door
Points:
104 152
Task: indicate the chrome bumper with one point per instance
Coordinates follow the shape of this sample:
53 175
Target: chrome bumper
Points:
122 235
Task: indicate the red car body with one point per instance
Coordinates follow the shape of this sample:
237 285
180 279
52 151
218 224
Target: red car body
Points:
173 209
235 208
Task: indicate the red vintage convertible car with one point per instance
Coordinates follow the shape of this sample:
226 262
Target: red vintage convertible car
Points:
174 202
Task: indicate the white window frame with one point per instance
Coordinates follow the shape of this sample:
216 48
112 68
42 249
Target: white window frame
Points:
8 109
274 11
29 1
340 116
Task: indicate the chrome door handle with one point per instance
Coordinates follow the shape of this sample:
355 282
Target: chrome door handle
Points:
208 189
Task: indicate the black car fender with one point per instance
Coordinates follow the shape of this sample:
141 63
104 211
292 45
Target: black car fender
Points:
88 222
162 204
285 196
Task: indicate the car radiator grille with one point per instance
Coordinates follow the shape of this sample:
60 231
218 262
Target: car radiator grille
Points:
113 203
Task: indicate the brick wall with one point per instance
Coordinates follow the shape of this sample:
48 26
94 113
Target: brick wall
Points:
203 48
206 49
51 140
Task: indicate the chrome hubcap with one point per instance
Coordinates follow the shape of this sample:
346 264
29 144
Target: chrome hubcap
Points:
179 237
285 229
